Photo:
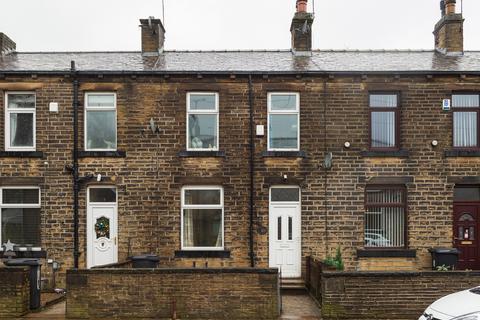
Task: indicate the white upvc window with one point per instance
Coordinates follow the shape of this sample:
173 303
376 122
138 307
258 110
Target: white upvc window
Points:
20 215
283 121
202 121
100 125
20 121
202 218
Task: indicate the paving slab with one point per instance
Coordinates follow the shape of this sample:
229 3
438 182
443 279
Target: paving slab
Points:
299 307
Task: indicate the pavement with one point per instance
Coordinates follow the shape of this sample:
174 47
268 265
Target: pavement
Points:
295 307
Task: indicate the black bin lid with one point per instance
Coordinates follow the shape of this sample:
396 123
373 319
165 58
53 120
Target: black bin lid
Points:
22 262
149 257
444 250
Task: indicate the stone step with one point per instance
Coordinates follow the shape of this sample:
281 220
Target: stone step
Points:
292 284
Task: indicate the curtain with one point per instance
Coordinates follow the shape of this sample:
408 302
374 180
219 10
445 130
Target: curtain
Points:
383 129
465 129
219 237
188 240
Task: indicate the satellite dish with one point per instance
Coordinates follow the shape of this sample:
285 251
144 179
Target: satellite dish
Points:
327 161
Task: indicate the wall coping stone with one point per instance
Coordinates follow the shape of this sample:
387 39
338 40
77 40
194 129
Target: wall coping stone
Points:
173 271
336 274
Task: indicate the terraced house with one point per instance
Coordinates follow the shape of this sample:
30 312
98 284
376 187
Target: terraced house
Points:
243 158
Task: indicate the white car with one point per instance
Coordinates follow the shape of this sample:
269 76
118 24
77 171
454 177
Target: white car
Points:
463 305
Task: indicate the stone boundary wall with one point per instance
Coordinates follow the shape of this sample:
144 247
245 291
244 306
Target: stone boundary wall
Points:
388 295
173 293
14 292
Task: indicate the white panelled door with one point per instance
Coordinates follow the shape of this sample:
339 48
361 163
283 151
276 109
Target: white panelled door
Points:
285 231
102 244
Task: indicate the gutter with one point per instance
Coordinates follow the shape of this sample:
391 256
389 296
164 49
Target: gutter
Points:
252 172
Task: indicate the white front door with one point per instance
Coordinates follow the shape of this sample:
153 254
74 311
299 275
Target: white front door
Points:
102 247
285 231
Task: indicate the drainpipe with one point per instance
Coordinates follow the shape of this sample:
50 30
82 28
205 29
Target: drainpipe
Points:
252 170
76 183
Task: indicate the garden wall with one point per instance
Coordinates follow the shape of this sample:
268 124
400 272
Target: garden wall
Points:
14 292
173 293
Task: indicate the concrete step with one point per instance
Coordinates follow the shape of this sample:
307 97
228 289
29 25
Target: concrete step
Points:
293 284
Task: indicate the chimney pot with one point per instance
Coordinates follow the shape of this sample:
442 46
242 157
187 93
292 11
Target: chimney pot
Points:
450 6
302 5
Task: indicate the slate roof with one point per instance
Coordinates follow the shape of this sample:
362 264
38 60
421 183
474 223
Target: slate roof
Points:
243 62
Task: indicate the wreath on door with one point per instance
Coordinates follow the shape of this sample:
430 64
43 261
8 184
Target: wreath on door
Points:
102 228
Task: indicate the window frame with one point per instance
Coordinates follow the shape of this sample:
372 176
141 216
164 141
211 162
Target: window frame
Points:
270 201
8 146
465 109
19 205
203 112
403 205
201 206
101 186
397 112
94 108
283 112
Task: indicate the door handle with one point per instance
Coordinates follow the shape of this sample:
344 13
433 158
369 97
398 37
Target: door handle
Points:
115 240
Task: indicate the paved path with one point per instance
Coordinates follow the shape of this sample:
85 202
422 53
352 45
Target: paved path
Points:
55 312
299 307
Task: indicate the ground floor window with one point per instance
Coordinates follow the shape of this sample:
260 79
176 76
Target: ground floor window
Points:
385 216
202 218
20 215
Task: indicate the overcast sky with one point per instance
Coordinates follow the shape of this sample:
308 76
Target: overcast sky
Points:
106 25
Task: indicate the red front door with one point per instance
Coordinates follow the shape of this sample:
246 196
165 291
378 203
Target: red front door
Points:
465 233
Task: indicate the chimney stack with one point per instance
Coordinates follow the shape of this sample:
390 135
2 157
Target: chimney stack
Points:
153 36
449 30
6 44
301 30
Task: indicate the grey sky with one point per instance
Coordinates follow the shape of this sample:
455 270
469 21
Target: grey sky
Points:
105 25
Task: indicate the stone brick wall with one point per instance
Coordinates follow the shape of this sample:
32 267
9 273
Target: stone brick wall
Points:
150 177
14 292
163 293
392 296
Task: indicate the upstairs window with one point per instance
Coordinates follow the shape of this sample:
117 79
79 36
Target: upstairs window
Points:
384 121
202 121
20 215
283 121
202 218
465 120
20 121
100 122
385 217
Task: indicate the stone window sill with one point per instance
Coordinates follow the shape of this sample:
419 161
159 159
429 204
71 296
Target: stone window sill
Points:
201 154
21 154
102 154
202 254
27 254
386 253
386 154
462 153
284 154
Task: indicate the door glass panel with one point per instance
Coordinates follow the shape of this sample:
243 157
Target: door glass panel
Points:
466 194
285 194
102 228
103 195
279 228
466 217
290 228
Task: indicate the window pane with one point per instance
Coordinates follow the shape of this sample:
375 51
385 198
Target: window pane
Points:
101 100
385 196
203 101
290 228
103 195
383 100
202 228
193 196
21 226
101 130
279 228
202 131
285 194
466 194
20 196
283 131
21 101
283 102
383 130
385 227
465 129
21 129
465 100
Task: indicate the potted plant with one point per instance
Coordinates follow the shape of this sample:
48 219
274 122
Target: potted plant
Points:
333 263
